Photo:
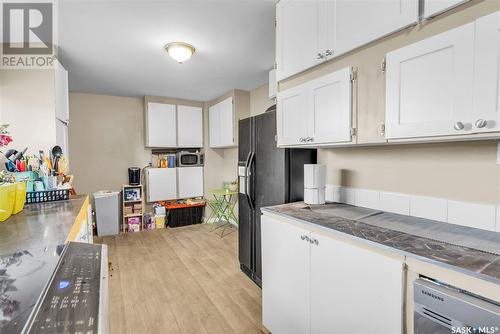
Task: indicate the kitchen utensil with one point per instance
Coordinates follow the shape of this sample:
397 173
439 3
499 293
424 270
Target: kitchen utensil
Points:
10 154
20 155
57 152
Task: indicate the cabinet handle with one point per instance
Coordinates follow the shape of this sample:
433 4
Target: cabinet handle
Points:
328 52
307 238
309 139
316 242
302 237
459 126
301 140
481 123
320 56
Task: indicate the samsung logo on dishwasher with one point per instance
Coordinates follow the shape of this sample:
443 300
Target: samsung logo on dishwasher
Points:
430 294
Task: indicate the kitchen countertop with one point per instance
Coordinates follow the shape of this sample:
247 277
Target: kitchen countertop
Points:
30 245
470 261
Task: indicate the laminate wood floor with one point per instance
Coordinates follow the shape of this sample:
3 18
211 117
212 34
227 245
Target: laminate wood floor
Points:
182 280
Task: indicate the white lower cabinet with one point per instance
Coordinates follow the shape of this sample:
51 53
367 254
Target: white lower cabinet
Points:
354 290
314 283
285 278
316 113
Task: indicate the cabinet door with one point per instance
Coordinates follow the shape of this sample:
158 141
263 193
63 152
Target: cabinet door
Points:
362 21
190 181
293 112
61 93
285 277
161 125
161 184
429 86
189 126
226 113
214 126
62 137
487 74
354 290
435 7
296 36
332 98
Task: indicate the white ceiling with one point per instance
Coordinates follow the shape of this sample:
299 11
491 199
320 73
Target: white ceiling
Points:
116 47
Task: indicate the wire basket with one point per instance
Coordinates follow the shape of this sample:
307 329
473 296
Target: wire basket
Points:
47 196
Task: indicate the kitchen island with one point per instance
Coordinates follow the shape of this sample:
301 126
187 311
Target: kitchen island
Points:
31 243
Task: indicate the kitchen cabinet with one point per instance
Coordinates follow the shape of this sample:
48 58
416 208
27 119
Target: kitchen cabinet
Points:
285 277
190 182
359 22
349 284
311 32
161 125
189 126
161 184
297 36
314 283
486 116
435 7
318 112
429 86
221 124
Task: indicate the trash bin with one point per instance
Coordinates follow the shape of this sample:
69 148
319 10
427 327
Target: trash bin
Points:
107 212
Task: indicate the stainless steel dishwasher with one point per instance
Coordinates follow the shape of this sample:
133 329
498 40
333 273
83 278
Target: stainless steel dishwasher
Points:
441 309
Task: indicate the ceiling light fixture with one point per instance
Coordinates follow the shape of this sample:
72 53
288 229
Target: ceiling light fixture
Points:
180 51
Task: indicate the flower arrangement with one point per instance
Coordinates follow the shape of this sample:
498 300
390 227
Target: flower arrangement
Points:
5 139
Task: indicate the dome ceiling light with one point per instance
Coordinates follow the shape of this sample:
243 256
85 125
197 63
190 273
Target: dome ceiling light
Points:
180 51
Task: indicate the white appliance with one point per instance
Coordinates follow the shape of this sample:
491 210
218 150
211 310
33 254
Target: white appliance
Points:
314 183
107 212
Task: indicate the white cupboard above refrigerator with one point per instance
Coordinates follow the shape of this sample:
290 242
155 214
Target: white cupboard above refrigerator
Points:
436 7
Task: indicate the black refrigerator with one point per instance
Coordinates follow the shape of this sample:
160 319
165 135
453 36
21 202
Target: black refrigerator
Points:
267 176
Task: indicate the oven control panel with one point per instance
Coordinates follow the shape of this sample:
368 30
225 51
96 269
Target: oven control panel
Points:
71 302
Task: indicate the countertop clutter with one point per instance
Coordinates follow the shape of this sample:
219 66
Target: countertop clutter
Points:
468 260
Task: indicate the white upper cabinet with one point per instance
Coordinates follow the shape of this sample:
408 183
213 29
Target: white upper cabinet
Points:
316 113
189 126
161 125
310 32
61 93
292 115
429 86
362 21
296 36
347 284
435 7
487 74
221 123
332 107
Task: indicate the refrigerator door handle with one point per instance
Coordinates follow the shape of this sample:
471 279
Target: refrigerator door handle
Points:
247 177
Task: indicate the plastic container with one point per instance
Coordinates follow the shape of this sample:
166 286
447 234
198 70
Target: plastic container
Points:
20 197
47 196
26 176
185 216
160 221
7 198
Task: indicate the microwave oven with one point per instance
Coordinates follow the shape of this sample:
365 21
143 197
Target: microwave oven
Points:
189 159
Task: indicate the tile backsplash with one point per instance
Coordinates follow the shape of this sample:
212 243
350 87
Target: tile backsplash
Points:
482 216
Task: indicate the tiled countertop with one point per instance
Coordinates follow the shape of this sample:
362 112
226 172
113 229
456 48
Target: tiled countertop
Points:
478 263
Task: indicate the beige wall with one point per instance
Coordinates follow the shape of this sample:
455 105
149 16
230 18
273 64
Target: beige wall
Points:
28 105
105 138
259 100
461 171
